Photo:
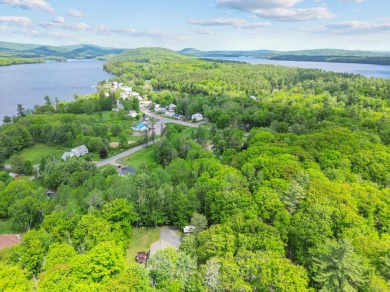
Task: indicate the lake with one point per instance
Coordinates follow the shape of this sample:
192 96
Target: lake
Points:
27 84
368 70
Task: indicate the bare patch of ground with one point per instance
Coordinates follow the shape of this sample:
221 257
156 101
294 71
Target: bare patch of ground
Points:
116 144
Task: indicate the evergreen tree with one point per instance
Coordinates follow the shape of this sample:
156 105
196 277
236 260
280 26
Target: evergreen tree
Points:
336 267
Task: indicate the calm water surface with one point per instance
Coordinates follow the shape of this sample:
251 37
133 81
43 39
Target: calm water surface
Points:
28 84
368 70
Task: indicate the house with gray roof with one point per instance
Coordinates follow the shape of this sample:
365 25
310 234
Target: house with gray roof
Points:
77 151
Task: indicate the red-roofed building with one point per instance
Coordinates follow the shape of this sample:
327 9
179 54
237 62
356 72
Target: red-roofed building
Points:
8 240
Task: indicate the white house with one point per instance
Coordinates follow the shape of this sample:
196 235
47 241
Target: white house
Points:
197 117
160 110
177 116
146 103
169 114
127 89
133 114
67 155
78 151
171 107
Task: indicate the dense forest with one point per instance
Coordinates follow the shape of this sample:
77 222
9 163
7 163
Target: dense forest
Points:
287 185
6 61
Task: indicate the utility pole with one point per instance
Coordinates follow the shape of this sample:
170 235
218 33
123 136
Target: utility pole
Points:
162 129
153 132
146 138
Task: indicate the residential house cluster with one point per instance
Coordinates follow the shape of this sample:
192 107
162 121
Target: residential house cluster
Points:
169 111
126 92
143 125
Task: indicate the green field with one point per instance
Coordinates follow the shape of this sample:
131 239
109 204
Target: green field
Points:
141 240
39 151
5 227
144 156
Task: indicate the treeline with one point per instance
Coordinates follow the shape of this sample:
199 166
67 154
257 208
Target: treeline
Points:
334 59
272 206
7 61
288 187
67 124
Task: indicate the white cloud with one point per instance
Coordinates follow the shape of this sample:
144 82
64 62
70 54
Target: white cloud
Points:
354 27
103 30
359 26
59 20
29 4
4 30
279 10
148 33
18 20
75 13
60 23
250 5
78 26
302 14
204 30
217 21
254 25
355 1
234 22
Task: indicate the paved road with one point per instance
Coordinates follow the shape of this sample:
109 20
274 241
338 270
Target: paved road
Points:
112 160
159 120
164 120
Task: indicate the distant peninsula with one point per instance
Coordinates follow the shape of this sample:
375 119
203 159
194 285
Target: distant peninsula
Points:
319 55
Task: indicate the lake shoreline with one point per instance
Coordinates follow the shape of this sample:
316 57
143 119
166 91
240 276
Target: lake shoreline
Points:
366 70
28 84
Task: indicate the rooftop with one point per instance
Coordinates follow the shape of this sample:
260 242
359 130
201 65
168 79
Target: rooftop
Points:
8 240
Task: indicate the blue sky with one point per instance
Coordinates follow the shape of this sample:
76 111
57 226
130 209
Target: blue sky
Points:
201 24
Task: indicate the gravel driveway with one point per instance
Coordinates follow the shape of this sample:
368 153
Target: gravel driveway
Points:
170 235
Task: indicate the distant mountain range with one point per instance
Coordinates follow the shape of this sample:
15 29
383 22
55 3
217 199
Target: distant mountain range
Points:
40 52
319 55
14 50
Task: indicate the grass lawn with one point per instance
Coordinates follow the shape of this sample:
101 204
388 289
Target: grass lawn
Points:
39 151
189 131
5 227
141 240
134 160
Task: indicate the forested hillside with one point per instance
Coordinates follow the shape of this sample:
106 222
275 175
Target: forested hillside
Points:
319 55
288 186
330 55
14 53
